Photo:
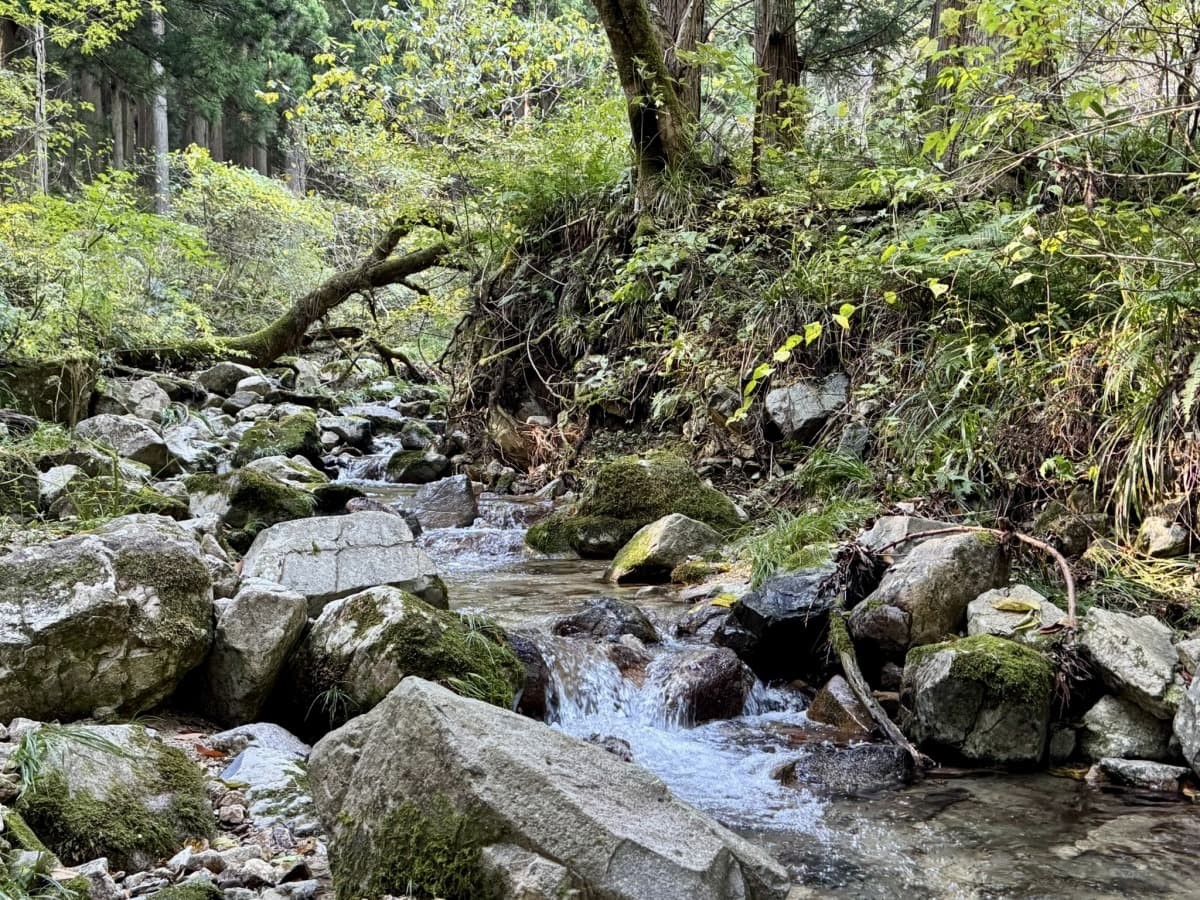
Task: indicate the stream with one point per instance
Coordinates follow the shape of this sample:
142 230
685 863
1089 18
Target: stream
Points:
962 835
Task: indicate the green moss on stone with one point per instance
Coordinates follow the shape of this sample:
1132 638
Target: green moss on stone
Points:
78 826
1008 670
696 570
643 490
294 435
20 835
197 890
424 851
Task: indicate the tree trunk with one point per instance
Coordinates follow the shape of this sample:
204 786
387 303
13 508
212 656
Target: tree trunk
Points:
118 125
285 335
681 25
10 40
778 60
659 123
160 137
41 142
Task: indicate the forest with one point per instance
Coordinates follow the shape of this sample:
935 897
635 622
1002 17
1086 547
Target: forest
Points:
624 449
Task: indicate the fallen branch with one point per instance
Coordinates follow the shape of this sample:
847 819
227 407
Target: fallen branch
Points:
839 638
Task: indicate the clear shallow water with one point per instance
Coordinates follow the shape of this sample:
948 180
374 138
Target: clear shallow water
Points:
977 836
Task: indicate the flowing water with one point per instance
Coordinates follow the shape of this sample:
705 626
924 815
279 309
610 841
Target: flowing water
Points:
976 835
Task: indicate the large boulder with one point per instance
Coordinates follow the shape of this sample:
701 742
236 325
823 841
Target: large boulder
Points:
416 466
256 631
290 435
782 629
113 791
895 536
799 410
1015 613
414 792
1135 657
247 502
1120 728
448 503
982 699
223 378
704 684
328 557
627 494
923 597
659 547
361 646
130 438
111 619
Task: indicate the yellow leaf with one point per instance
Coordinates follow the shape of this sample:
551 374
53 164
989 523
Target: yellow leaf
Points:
1008 604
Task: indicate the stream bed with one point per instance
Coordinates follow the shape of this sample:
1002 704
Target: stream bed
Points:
957 835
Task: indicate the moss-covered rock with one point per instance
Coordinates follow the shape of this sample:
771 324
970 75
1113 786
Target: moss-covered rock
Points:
196 890
627 494
292 435
361 646
248 501
982 698
114 791
57 390
19 489
416 466
107 497
659 547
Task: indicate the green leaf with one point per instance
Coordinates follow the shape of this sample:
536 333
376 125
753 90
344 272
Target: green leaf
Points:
812 331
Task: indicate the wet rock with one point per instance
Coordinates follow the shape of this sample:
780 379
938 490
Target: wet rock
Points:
114 791
1062 743
447 503
702 621
131 438
705 684
290 435
848 771
836 705
652 553
223 378
425 760
1015 625
113 618
416 435
781 630
799 410
382 418
1135 657
329 557
361 646
1187 726
607 617
536 699
890 676
416 466
272 791
354 431
1118 727
982 699
924 596
1144 774
256 631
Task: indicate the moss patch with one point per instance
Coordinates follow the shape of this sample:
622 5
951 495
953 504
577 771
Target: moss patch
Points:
78 826
106 497
424 851
256 502
696 570
196 891
1008 670
294 435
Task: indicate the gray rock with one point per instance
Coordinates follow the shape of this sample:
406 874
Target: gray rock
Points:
607 617
354 431
1069 529
382 418
982 699
416 435
1162 537
54 482
984 618
1187 726
223 378
256 631
444 758
1189 654
360 647
704 684
887 530
1135 658
702 621
332 556
516 874
923 598
100 882
255 384
1141 773
113 618
275 788
194 443
266 735
656 549
159 793
416 466
294 471
131 438
835 704
800 409
848 771
1120 728
447 503
781 630
147 400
